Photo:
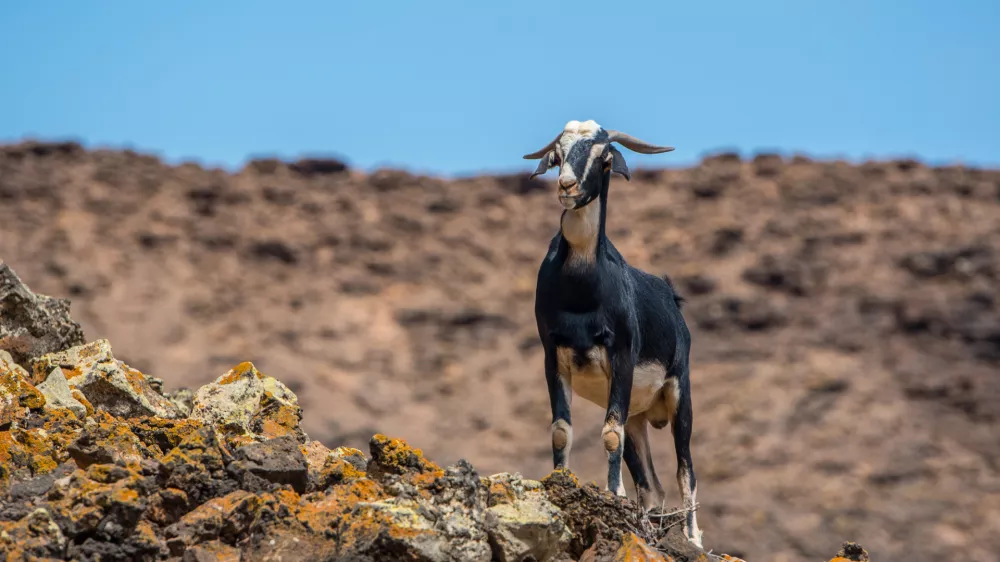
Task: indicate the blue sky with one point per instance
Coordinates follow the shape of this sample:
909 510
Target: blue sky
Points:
465 87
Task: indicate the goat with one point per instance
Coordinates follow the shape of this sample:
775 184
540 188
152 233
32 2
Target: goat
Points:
611 333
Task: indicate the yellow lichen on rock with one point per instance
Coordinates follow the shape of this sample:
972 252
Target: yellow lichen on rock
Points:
395 456
17 395
248 406
107 383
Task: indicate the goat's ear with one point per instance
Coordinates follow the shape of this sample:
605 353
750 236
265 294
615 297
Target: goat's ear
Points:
618 165
543 165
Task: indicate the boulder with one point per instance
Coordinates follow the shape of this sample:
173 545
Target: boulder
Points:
58 394
107 383
33 325
248 406
278 461
522 523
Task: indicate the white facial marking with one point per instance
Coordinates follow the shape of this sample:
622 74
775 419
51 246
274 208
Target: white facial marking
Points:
572 133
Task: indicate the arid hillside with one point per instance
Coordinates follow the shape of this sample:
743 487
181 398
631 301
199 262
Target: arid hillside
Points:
846 320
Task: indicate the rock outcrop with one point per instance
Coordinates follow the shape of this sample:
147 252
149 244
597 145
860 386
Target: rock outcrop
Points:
96 463
32 325
91 473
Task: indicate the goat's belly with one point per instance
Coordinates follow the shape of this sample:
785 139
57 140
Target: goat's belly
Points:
591 381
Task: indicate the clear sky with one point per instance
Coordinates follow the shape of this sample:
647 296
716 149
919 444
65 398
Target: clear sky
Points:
456 87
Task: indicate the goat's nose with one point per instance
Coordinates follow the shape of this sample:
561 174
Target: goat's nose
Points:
566 182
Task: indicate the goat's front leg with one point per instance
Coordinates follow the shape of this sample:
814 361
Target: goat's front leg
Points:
613 433
560 398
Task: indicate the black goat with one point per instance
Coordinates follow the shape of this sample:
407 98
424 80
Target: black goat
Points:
612 333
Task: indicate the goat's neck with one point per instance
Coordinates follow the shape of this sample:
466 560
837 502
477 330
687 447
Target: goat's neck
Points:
583 229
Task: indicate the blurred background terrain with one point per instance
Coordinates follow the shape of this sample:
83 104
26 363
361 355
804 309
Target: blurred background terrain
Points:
841 261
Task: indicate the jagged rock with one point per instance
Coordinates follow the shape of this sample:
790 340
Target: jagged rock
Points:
277 460
105 440
328 468
522 523
104 502
32 325
196 466
17 395
394 456
58 394
38 446
36 535
107 383
634 549
248 406
226 518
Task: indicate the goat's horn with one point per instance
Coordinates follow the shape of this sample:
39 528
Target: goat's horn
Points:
634 144
540 153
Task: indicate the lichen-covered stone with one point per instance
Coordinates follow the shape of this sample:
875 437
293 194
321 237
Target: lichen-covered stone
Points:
329 468
107 383
522 522
35 536
17 395
197 467
247 406
38 446
32 325
58 394
634 549
227 519
394 456
106 440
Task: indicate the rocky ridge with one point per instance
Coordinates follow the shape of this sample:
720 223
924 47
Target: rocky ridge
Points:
98 463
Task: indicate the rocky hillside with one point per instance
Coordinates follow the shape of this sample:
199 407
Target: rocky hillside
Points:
845 317
98 463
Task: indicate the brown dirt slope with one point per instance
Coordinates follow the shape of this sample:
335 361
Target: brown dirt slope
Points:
846 320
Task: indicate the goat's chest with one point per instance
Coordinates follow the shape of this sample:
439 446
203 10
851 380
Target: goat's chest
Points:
589 374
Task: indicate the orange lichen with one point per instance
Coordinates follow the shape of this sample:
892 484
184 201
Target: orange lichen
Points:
236 373
500 492
322 510
163 434
135 378
395 456
275 418
83 400
338 471
365 525
634 549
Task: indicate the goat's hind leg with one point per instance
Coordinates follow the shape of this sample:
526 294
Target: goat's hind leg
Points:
639 459
687 483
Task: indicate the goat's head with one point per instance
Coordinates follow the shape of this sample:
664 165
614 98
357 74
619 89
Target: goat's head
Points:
583 153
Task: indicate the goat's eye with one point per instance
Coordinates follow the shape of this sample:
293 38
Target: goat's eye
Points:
555 160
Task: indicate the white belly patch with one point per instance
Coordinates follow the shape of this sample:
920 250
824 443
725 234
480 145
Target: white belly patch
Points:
591 381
